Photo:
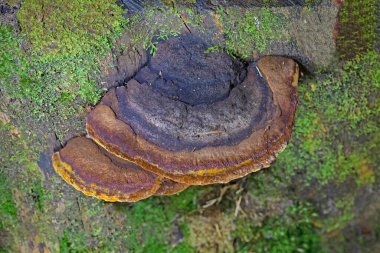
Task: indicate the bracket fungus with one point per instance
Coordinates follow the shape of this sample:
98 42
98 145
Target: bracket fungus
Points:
186 118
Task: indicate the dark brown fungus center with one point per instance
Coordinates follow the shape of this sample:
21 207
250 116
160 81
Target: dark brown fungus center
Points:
181 70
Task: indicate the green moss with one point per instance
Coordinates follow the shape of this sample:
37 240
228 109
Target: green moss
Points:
13 67
14 153
185 201
312 2
12 2
8 211
63 29
153 220
357 28
330 112
157 23
66 41
183 248
73 241
18 173
145 34
182 2
280 233
249 31
346 214
23 188
37 194
55 75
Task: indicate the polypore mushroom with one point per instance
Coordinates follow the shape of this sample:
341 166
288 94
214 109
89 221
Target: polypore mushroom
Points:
199 118
94 172
186 118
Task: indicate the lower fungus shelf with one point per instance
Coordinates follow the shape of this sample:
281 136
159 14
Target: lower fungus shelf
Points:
97 173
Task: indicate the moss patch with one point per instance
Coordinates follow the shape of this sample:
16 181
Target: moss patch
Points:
357 29
18 173
56 58
159 23
336 129
249 31
153 222
61 29
253 31
8 211
292 231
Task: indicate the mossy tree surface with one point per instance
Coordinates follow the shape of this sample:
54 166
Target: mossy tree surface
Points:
303 203
358 29
341 106
252 32
57 62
